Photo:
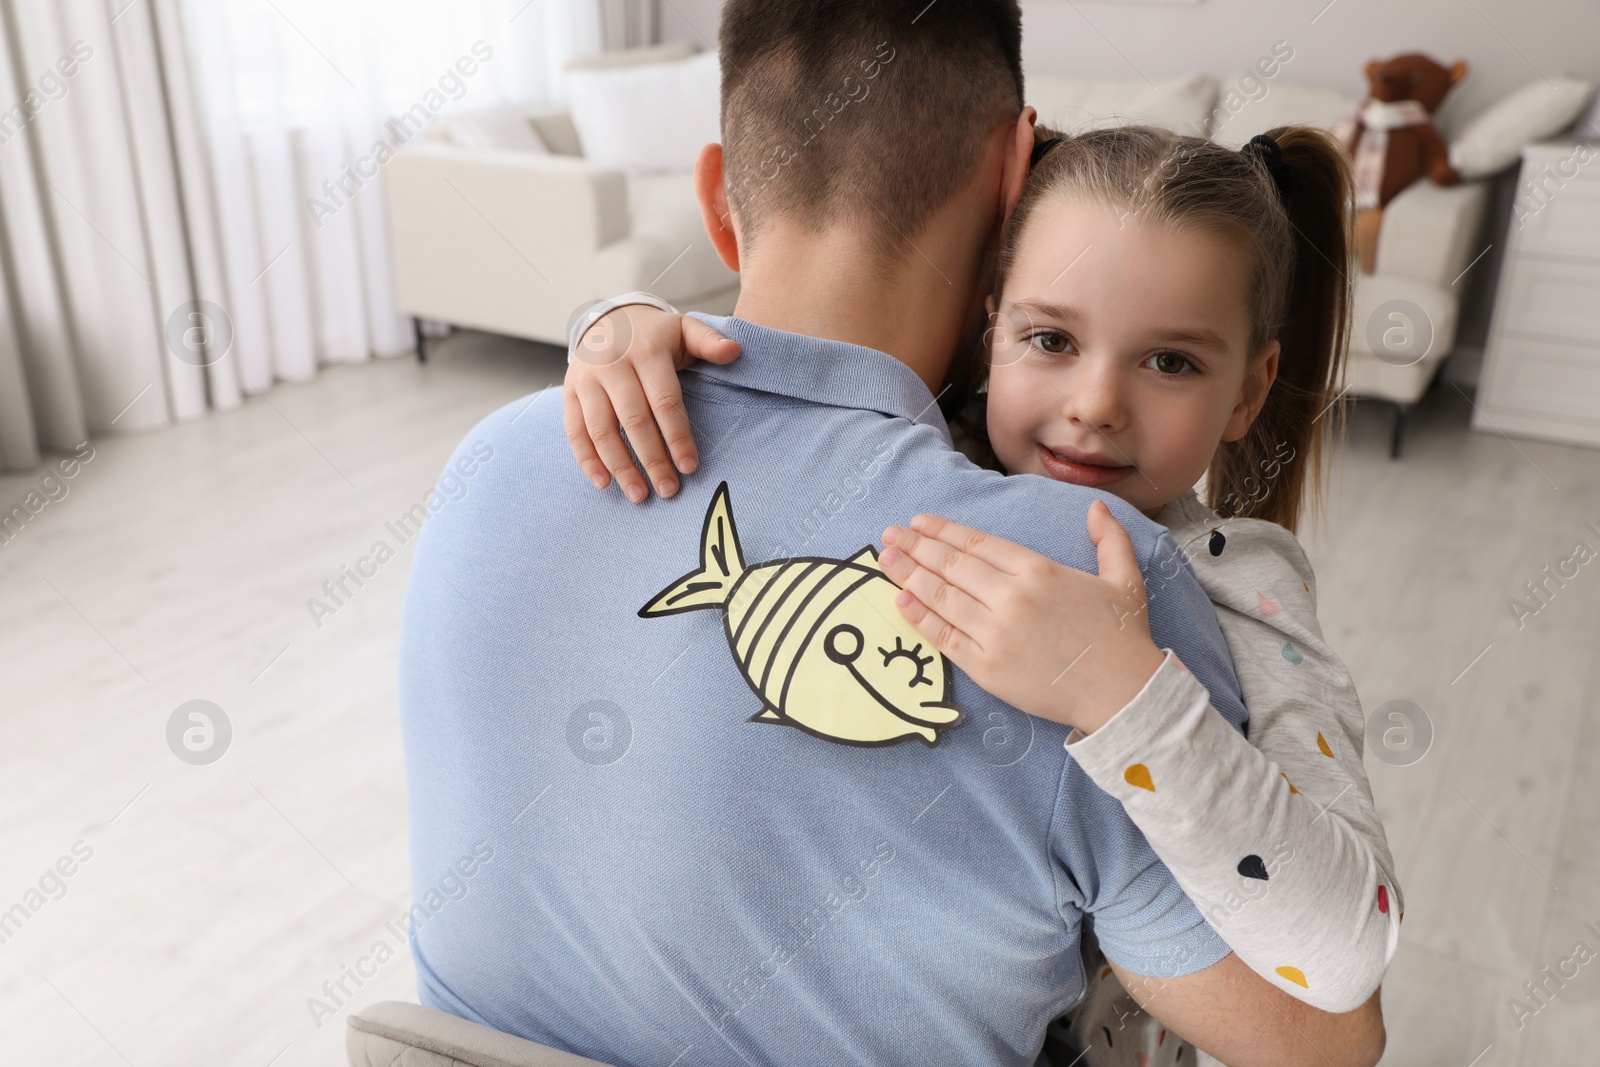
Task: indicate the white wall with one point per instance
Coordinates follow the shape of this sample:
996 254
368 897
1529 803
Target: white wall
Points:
1507 43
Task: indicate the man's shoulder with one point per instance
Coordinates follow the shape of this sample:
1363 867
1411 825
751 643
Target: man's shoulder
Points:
522 442
1033 510
522 427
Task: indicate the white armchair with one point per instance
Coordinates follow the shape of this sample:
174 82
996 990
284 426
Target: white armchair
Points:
1406 311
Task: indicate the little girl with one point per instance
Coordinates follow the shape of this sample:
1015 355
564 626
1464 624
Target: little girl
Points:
1164 309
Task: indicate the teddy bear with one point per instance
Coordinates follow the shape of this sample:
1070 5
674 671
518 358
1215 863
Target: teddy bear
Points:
1391 139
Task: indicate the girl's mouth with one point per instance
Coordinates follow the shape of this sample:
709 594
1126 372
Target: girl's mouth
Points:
1093 475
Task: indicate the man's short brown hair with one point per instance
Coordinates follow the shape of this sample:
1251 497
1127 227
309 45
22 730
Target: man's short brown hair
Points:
876 110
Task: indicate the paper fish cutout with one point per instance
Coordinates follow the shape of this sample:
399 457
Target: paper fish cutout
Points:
819 640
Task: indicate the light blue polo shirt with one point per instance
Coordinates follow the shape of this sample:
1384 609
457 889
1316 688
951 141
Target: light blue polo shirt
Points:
662 839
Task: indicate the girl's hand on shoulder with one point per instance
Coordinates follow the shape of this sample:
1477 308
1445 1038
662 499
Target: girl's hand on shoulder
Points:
624 378
1058 643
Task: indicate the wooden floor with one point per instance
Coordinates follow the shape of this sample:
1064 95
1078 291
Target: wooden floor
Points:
216 901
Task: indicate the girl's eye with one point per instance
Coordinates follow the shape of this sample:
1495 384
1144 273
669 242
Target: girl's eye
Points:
1052 341
1171 364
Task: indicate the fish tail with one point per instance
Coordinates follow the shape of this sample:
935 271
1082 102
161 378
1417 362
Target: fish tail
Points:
721 565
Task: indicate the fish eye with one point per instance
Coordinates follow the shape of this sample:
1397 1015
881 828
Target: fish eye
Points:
832 644
919 662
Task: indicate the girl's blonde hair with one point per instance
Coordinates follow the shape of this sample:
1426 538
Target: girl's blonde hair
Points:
1288 210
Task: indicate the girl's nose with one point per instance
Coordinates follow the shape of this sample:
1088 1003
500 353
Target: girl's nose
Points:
1096 400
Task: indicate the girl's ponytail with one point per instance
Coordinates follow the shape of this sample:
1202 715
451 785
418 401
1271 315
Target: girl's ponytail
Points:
1277 464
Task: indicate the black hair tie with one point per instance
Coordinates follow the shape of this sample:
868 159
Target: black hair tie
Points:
1265 148
1042 149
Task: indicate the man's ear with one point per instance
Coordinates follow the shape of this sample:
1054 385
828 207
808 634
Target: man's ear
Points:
714 210
1258 379
1015 173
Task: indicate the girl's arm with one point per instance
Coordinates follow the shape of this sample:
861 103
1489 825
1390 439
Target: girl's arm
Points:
622 377
1279 845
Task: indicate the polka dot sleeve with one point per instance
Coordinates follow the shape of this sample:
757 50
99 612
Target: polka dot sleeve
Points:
1276 838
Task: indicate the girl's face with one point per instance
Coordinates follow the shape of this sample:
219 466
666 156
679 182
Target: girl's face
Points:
1121 353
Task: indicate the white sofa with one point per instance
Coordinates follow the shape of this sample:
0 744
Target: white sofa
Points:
515 242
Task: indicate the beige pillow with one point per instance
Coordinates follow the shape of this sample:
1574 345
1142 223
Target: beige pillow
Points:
1494 140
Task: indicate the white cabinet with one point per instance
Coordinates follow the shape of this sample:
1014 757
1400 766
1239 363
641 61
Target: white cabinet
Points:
1542 371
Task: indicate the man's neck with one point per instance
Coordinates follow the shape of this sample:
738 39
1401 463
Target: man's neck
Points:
823 285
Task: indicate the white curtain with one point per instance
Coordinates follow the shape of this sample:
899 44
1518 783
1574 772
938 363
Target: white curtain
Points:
191 199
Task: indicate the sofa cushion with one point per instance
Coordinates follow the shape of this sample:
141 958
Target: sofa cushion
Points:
1248 105
647 117
1367 375
493 130
555 129
1073 105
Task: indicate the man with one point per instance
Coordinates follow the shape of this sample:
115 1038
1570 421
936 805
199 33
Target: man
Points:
697 804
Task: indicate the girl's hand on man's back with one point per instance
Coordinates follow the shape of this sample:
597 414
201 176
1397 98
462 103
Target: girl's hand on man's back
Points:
1057 642
623 379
